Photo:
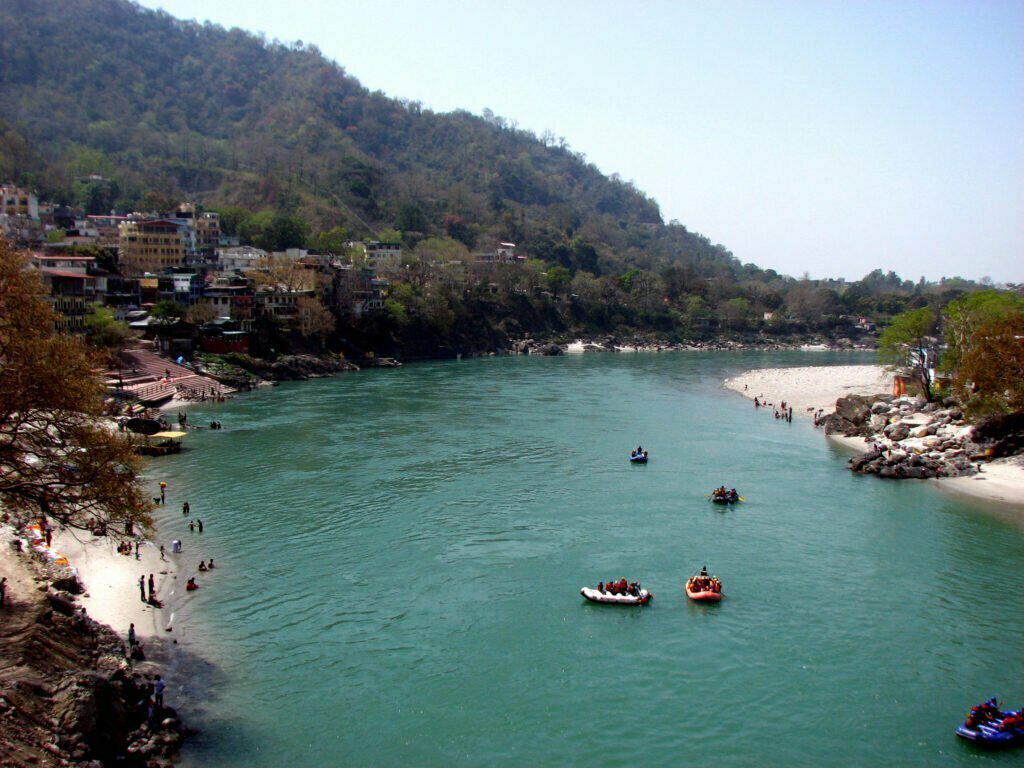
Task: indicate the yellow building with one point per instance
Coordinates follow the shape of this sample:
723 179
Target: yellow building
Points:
153 245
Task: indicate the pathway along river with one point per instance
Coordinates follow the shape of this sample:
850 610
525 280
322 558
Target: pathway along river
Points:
400 554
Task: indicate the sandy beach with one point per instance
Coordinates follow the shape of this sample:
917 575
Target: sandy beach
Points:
814 388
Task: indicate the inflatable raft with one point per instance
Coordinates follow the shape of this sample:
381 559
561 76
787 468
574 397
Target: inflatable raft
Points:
703 595
992 733
639 458
729 498
595 596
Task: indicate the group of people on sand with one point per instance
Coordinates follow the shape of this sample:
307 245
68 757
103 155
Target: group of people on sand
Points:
620 587
702 582
988 713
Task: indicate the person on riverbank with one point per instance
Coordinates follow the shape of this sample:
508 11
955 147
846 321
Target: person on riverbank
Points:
162 552
142 587
3 591
137 549
131 639
158 692
152 587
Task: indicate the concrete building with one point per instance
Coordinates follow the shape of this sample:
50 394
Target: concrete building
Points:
153 245
15 201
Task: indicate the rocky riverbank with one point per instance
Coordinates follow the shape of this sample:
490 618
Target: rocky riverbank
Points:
69 696
913 438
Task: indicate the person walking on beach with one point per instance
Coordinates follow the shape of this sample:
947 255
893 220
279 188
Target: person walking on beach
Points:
158 691
136 549
185 508
3 591
152 589
200 522
162 552
142 587
131 639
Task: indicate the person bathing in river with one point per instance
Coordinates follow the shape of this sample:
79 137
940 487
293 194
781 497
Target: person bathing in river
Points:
202 565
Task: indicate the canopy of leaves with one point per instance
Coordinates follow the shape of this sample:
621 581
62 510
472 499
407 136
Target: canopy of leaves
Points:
57 457
992 366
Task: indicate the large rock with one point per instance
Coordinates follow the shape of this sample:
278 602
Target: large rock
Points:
855 409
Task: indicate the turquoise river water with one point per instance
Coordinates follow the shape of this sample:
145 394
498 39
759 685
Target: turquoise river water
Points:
400 554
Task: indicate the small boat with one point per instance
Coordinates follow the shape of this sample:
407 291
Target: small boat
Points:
729 497
638 458
596 596
704 588
987 725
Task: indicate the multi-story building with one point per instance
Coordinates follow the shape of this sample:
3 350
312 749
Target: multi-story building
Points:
279 303
231 297
357 292
382 258
15 201
240 259
153 245
71 287
207 233
180 285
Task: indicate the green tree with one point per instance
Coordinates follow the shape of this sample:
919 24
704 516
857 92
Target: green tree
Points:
559 279
962 318
908 344
103 330
333 241
167 310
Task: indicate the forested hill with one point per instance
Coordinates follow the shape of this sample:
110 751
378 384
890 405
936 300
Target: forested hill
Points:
160 105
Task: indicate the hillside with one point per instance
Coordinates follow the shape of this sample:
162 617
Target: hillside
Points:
165 110
157 104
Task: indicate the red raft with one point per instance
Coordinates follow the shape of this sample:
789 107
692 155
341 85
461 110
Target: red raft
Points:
704 589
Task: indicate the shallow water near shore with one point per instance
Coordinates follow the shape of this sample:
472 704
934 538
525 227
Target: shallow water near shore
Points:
400 554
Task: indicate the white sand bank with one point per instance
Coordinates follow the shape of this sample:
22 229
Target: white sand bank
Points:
812 388
112 581
1000 480
809 389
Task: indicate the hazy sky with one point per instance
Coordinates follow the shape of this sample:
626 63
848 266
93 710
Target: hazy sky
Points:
813 136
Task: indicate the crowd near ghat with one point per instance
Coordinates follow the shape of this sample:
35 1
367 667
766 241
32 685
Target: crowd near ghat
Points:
897 436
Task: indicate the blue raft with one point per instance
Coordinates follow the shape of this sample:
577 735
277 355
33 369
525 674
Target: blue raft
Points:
990 734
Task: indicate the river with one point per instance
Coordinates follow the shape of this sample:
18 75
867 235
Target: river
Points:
400 552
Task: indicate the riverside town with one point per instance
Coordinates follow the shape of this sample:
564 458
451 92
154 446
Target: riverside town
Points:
341 429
